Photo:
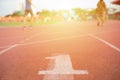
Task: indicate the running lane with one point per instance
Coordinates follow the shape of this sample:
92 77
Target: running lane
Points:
87 48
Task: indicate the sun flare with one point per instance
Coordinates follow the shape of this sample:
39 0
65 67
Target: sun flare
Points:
55 5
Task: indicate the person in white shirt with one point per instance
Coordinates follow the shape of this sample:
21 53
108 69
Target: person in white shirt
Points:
28 8
28 15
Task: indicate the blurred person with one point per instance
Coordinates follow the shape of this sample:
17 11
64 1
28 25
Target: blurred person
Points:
28 15
101 12
28 7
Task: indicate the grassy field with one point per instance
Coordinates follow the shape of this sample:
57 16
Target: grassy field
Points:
18 24
36 23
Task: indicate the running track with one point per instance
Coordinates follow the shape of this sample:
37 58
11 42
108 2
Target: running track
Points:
96 49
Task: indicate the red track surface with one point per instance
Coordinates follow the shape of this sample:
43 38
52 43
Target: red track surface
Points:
92 48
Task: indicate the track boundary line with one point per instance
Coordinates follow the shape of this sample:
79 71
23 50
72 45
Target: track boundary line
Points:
102 32
70 31
23 41
105 42
5 46
29 38
17 44
55 39
20 44
58 32
16 37
9 48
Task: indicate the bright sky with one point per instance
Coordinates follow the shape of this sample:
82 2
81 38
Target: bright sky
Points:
10 6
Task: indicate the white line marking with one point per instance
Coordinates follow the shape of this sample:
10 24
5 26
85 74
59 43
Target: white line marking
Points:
83 35
7 49
49 40
105 42
102 32
5 46
18 44
12 46
30 38
23 42
15 45
63 69
14 37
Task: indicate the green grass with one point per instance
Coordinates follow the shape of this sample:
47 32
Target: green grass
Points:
18 24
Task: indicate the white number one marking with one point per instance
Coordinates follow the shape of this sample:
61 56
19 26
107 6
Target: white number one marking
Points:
62 66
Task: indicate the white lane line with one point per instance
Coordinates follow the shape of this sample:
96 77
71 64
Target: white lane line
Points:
7 49
105 42
29 43
83 35
5 46
55 39
102 32
17 44
20 43
45 33
15 37
62 70
30 38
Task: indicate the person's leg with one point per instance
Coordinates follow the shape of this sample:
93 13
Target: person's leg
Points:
103 18
31 19
26 19
98 19
31 13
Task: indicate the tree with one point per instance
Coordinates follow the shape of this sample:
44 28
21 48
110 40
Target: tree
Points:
17 13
